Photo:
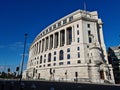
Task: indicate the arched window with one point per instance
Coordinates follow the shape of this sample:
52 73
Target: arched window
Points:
61 55
49 57
40 59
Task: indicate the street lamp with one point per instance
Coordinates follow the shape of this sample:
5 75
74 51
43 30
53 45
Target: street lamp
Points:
23 57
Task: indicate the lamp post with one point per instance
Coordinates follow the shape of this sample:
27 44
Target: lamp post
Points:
23 57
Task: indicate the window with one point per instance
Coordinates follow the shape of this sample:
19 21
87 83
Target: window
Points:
89 32
70 18
78 61
78 48
77 25
49 65
54 64
68 56
78 54
54 58
40 59
77 32
44 60
46 30
68 50
68 62
55 53
69 35
64 21
45 55
60 63
88 25
61 55
59 24
78 40
90 40
37 62
54 26
90 61
49 57
43 32
50 28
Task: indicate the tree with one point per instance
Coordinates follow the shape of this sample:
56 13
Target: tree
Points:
8 70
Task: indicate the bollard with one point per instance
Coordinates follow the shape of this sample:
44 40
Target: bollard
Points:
2 86
22 86
11 86
33 87
52 88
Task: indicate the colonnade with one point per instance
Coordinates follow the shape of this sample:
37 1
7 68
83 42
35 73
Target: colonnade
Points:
58 39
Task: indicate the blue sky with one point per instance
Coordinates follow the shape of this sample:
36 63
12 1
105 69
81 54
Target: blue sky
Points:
18 17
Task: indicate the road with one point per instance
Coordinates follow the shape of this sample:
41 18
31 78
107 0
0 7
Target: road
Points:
49 85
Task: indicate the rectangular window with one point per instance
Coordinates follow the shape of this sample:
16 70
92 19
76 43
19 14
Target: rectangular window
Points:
49 65
78 40
59 24
68 50
70 18
60 63
55 53
77 32
78 61
88 25
50 28
90 40
54 64
46 30
45 55
78 48
54 26
77 25
43 32
64 21
89 32
78 54
68 56
54 58
44 60
68 62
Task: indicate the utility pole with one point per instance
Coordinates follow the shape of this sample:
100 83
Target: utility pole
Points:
23 57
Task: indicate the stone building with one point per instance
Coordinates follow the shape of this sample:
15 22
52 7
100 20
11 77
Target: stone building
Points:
114 59
71 49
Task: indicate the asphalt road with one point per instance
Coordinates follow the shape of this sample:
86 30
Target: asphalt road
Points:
45 85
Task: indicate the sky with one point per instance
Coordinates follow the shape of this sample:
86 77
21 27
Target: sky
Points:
18 17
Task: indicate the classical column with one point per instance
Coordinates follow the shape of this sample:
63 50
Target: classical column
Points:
62 38
56 40
39 46
53 40
42 45
59 39
34 49
73 34
65 38
45 44
48 42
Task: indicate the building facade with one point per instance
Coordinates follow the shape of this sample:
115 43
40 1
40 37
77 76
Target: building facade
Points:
114 59
71 49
